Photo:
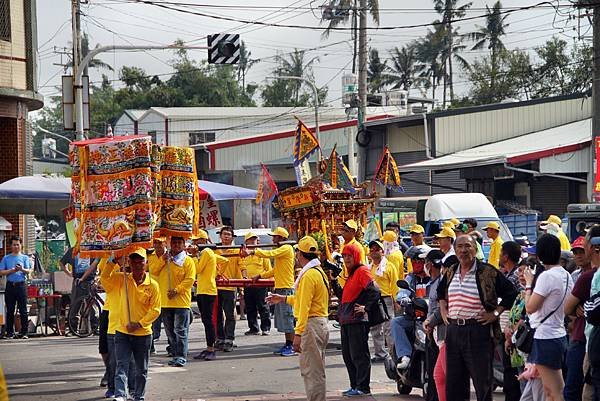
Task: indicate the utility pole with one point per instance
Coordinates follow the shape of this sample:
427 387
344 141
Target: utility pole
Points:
362 89
595 100
76 38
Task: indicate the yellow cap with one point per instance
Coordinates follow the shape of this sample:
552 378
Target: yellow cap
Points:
139 251
160 239
201 235
553 219
446 232
308 245
390 236
417 229
282 232
449 224
249 235
351 224
492 224
455 221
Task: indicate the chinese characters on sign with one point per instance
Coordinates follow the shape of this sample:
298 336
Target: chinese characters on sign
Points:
210 216
297 199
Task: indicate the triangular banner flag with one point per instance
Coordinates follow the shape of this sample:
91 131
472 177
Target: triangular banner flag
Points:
387 172
336 174
267 189
305 143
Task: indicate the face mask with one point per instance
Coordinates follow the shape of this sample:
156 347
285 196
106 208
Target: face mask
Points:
418 266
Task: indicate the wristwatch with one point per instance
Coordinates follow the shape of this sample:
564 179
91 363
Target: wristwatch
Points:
496 313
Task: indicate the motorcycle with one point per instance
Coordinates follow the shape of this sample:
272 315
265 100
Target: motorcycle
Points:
415 375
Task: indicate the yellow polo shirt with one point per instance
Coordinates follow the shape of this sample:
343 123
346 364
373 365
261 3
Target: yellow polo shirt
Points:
283 271
397 260
155 265
311 298
132 302
495 248
206 272
387 281
565 245
230 267
180 278
254 266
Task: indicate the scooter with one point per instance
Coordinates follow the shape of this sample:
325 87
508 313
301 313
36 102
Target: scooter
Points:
415 375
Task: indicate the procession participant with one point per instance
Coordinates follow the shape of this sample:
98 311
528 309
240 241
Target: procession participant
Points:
417 238
395 227
16 267
492 229
471 230
349 232
256 305
386 277
310 303
137 304
206 292
175 279
446 239
156 261
283 272
227 295
392 252
565 245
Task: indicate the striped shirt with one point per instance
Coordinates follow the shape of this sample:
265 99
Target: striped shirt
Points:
463 296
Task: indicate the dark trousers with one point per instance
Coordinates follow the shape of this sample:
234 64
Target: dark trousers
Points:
112 367
126 346
206 304
469 354
177 324
256 306
15 294
226 316
512 387
355 351
431 354
574 378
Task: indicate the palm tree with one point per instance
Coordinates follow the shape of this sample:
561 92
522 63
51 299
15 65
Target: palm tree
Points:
244 64
450 11
405 69
490 34
429 51
376 77
94 63
296 66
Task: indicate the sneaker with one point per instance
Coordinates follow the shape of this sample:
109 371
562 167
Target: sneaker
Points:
10 337
251 333
288 351
210 356
378 359
403 364
243 317
104 383
179 362
119 399
228 347
219 345
201 355
152 350
172 362
24 337
279 351
266 333
345 393
356 393
109 394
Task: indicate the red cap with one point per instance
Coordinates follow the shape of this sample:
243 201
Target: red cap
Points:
578 243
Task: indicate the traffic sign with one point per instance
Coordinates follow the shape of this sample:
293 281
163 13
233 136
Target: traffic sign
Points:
224 48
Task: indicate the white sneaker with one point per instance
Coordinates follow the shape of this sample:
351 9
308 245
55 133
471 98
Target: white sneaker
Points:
119 399
403 364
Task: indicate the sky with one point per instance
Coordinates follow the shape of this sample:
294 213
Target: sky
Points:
110 22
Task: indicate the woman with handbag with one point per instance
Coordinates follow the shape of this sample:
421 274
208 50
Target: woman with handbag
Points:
545 306
359 295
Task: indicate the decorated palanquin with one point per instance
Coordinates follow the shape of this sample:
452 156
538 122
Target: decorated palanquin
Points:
125 191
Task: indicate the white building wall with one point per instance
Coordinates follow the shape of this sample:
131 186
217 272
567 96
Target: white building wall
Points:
572 162
124 126
13 71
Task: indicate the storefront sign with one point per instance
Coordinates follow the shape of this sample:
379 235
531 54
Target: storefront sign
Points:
210 216
297 199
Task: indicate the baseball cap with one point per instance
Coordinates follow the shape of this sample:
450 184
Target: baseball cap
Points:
389 236
308 245
455 221
435 256
492 224
282 232
553 219
448 224
351 224
417 229
417 252
249 235
578 243
201 235
138 251
375 242
446 232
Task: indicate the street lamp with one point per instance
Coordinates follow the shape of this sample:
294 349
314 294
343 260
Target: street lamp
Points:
315 98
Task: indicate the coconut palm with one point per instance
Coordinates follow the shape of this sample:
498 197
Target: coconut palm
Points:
405 68
296 66
344 9
94 63
491 34
429 51
376 72
244 64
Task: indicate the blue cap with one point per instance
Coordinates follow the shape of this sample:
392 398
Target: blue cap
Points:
595 241
531 250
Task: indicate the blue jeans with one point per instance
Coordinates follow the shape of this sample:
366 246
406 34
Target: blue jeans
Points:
177 324
401 342
127 346
112 367
574 379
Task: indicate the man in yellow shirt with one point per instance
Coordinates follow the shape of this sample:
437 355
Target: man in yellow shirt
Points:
310 303
283 272
227 295
156 261
385 275
492 229
136 304
417 237
256 305
392 252
175 279
349 231
565 245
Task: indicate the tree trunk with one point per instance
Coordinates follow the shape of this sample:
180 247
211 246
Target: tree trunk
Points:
451 53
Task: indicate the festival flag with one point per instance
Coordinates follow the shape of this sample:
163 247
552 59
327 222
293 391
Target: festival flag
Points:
305 143
336 174
387 172
267 189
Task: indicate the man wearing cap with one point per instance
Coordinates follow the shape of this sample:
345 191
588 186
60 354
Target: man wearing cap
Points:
283 272
446 239
256 305
156 261
386 277
135 306
311 303
392 252
417 238
574 379
564 240
492 229
349 231
175 279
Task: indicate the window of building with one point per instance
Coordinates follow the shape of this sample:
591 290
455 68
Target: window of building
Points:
5 20
198 137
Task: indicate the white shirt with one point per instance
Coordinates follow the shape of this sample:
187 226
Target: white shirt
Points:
448 254
551 285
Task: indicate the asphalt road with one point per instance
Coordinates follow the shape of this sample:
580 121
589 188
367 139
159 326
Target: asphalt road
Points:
70 368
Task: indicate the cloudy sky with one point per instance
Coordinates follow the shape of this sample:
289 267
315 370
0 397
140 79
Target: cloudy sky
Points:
122 22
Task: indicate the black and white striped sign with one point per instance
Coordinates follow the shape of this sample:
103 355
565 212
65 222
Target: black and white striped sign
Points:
224 48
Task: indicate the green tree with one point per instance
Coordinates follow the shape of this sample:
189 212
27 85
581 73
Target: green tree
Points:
94 62
376 72
554 70
405 67
244 65
429 50
344 9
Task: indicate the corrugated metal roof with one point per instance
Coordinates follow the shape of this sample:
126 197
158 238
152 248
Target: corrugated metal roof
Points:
557 140
134 114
